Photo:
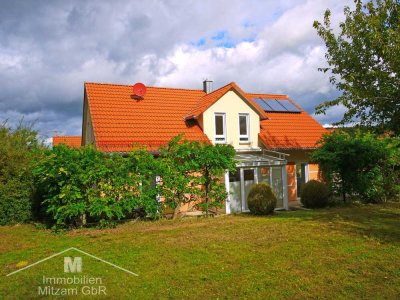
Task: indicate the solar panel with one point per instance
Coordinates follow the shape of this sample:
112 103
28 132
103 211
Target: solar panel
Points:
290 107
262 104
275 106
272 105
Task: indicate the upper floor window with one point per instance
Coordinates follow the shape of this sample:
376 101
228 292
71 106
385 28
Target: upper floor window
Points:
244 128
220 128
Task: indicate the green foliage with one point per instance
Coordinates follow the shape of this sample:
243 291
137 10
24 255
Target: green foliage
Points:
18 148
192 171
391 168
212 161
15 202
80 186
261 200
362 164
314 194
85 185
364 62
144 168
179 181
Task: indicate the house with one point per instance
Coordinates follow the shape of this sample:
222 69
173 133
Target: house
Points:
72 141
272 135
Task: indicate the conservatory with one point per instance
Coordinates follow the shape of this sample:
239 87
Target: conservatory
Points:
252 168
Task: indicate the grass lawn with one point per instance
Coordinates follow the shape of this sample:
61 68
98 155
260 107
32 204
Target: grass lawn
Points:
337 253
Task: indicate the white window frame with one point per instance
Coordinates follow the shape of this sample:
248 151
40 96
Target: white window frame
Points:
220 138
245 138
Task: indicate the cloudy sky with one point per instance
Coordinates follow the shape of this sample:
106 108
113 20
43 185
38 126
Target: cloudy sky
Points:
48 49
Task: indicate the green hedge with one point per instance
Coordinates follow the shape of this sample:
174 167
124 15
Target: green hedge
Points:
361 165
19 147
15 202
82 186
70 187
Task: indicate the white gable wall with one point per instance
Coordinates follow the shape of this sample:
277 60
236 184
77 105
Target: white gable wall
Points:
232 105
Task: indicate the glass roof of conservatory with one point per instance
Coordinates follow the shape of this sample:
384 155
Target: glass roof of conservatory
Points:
258 159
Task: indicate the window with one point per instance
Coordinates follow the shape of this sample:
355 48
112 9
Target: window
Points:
234 176
301 175
244 128
220 128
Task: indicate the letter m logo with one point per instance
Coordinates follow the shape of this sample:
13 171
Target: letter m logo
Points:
72 266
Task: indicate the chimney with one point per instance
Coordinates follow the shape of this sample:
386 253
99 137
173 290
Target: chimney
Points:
207 86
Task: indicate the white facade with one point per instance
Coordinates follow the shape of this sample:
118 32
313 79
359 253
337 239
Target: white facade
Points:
232 105
232 120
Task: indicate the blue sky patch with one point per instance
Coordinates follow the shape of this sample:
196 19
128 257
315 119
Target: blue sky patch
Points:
226 44
199 42
220 35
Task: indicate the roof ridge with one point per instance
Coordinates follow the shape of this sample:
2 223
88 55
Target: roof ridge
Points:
186 89
147 86
222 87
218 93
266 94
67 136
209 94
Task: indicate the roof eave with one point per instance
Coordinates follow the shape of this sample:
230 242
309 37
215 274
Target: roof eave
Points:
295 148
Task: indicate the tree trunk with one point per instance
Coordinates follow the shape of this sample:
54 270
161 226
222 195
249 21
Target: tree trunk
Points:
344 193
176 211
343 187
206 199
82 220
208 180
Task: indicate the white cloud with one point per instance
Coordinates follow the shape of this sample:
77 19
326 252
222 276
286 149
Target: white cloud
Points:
283 58
48 50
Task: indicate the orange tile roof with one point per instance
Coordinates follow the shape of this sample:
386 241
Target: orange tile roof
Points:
289 130
120 121
209 99
72 141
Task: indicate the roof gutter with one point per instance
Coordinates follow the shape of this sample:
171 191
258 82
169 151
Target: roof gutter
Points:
304 148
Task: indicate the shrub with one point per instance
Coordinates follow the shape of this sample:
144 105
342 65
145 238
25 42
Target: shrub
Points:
314 194
18 148
360 164
261 200
15 202
80 186
83 186
191 171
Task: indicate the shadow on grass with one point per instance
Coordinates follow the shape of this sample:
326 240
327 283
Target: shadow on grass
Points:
378 221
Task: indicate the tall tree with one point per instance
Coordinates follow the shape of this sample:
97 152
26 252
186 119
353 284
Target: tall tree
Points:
364 61
178 169
212 161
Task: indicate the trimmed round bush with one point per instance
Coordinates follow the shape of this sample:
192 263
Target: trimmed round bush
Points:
261 200
314 194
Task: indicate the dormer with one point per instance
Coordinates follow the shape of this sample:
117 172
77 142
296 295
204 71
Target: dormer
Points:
228 117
